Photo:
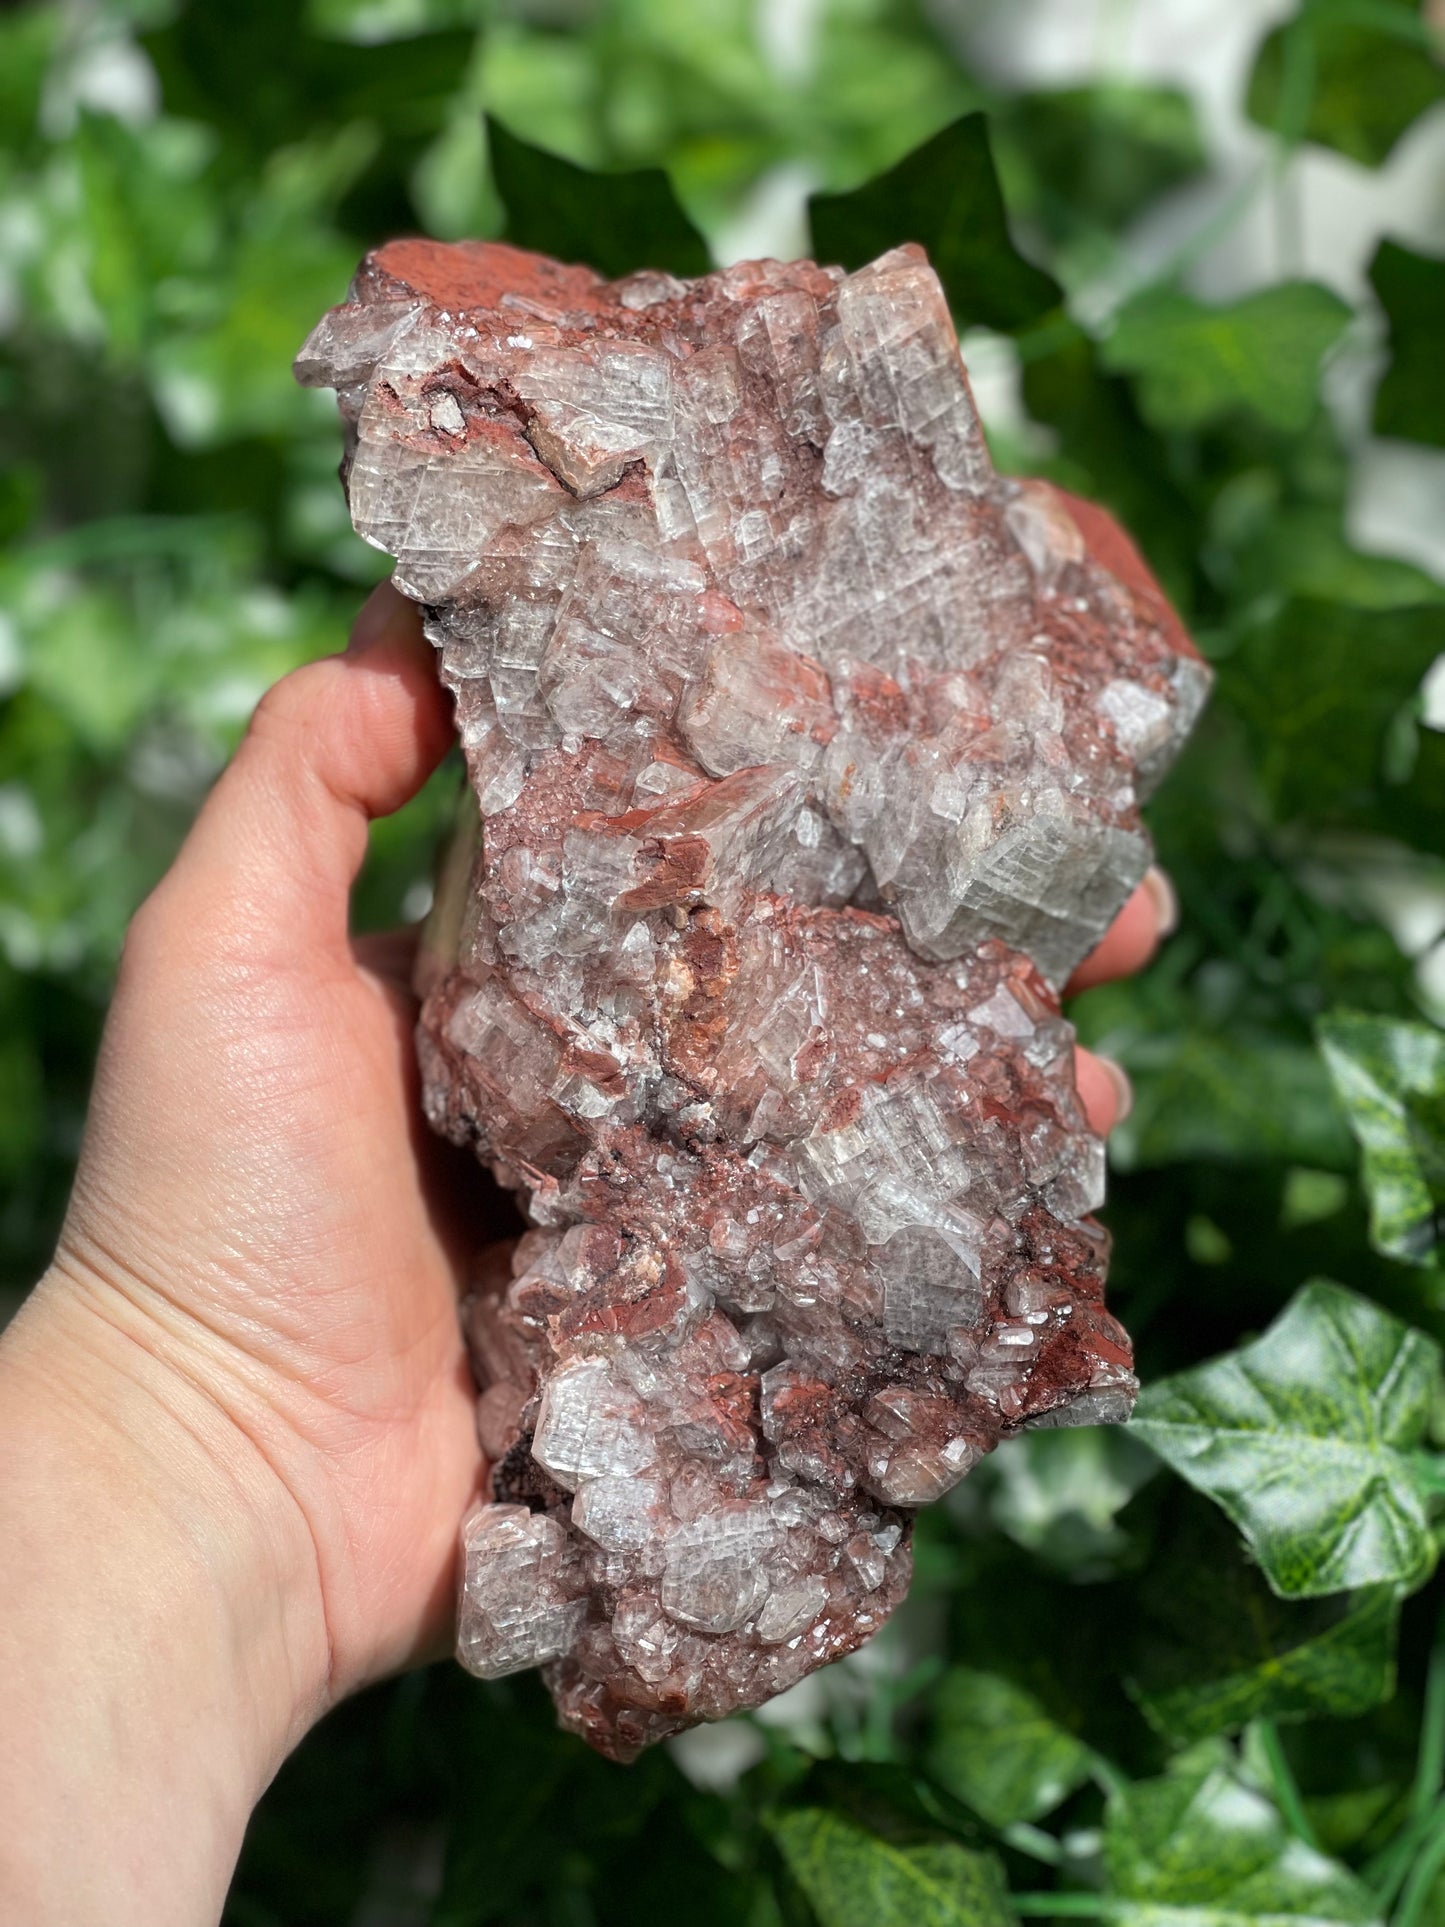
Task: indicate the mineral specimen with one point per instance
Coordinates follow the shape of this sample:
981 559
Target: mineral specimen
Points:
806 755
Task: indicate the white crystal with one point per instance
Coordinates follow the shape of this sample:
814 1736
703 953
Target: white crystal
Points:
517 1609
714 1578
589 1424
791 1610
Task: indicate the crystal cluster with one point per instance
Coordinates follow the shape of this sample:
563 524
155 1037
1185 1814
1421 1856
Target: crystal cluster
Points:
806 755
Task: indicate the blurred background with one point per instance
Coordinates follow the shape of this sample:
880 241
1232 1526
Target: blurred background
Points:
1241 204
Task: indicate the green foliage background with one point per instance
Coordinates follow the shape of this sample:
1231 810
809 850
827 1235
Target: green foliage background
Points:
1186 1672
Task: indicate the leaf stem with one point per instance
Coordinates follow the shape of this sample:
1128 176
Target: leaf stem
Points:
1036 1842
1423 1875
1068 1905
1430 1761
1286 1788
1384 1874
1106 1776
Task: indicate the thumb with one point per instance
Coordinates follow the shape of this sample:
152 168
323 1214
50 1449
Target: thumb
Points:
276 849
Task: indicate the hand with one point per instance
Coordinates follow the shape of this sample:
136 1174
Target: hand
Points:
236 1422
240 1408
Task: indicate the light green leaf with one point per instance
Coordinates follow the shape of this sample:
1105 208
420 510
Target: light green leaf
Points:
1199 1847
1390 1076
945 195
1351 83
854 1878
1410 400
223 373
1261 356
371 23
1303 1438
997 1749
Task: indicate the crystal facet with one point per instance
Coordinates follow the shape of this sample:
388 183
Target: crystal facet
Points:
806 756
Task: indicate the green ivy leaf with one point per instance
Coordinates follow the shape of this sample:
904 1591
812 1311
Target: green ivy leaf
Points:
997 1749
616 223
28 38
1318 685
1098 154
1208 1094
1390 1076
1200 1846
1303 1438
1058 1492
381 22
277 83
1302 549
1261 356
854 1878
946 196
226 376
1110 453
1218 1649
1349 83
1410 401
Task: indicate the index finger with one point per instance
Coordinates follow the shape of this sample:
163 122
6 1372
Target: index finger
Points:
1132 938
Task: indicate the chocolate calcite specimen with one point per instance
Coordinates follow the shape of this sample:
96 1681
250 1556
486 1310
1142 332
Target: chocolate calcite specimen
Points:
806 756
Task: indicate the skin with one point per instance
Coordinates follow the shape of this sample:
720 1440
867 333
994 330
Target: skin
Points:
236 1421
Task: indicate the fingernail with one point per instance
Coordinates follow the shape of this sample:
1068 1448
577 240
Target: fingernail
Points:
1164 898
377 619
1123 1089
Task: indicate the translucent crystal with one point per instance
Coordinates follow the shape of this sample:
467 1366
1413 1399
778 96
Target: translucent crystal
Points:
806 756
518 1609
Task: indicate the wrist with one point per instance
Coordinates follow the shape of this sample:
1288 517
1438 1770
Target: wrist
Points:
164 1642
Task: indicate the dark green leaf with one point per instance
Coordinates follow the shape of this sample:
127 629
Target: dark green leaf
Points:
1261 356
996 1748
1410 401
1302 549
1204 1094
616 223
1218 1649
1390 1076
854 1878
27 43
1095 153
1058 1492
1304 1436
1200 1846
1319 685
1110 453
276 84
1351 83
945 195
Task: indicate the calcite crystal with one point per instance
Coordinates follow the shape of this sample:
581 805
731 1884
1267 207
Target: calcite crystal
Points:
806 756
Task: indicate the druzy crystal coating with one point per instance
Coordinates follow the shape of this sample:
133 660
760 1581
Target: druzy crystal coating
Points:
806 755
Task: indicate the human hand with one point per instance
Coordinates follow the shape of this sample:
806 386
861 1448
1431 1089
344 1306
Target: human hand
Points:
236 1422
247 1347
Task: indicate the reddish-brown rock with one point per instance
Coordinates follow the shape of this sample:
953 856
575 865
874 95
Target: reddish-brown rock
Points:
806 757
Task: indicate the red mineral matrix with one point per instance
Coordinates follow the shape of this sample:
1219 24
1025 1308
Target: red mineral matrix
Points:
806 757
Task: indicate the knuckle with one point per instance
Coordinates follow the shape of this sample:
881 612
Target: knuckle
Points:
291 705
